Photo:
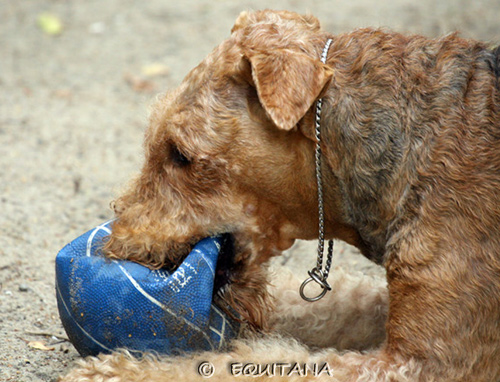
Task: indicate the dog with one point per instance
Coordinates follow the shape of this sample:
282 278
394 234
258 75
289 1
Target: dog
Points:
411 176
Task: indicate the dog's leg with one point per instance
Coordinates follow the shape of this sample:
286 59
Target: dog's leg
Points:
350 317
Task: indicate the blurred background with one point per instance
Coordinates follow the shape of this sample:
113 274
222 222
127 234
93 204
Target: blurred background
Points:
76 80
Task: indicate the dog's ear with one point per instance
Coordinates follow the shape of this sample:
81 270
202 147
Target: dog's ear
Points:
287 84
269 16
242 21
287 79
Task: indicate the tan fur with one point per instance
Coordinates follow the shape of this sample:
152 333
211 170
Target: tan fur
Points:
411 139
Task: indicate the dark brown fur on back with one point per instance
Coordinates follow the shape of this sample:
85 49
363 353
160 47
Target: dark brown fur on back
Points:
414 142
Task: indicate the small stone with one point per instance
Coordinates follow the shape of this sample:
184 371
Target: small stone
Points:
23 288
97 28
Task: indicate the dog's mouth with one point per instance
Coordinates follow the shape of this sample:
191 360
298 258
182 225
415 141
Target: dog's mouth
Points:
226 266
225 270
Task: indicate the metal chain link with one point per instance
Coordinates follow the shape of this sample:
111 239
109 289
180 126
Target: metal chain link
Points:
318 274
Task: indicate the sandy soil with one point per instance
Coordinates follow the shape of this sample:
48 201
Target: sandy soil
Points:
73 109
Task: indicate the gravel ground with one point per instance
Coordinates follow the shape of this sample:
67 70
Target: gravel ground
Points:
73 108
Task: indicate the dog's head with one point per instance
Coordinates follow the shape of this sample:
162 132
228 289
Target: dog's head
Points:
232 150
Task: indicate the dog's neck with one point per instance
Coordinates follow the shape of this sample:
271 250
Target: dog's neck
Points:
381 127
364 151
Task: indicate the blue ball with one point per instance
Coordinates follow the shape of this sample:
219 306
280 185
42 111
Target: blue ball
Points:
106 304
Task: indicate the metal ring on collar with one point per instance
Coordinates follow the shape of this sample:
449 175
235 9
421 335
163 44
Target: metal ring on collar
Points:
316 276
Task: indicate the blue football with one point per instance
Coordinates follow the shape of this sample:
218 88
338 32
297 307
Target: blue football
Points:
106 304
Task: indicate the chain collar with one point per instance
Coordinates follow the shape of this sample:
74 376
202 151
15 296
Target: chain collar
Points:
319 274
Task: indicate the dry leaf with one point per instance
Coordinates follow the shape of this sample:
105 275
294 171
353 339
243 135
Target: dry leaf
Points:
139 84
155 70
50 24
39 345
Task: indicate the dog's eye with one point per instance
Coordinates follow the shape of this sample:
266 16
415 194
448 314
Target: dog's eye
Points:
178 158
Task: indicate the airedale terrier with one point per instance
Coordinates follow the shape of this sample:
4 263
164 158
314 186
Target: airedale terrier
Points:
411 176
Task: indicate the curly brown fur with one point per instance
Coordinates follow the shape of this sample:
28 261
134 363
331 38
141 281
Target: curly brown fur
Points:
411 130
